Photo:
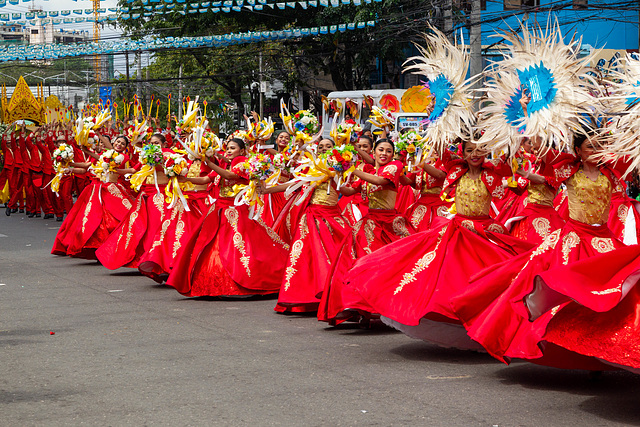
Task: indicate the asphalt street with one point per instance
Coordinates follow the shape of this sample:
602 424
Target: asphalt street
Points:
82 345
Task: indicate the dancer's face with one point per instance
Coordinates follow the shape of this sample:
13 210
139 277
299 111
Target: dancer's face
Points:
383 153
324 146
282 140
364 145
233 150
119 145
587 150
473 155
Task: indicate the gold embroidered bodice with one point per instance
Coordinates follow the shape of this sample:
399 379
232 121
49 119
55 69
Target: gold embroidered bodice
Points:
381 199
427 181
540 194
226 190
589 200
320 196
472 197
194 172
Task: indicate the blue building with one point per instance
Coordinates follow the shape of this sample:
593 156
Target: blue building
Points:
601 24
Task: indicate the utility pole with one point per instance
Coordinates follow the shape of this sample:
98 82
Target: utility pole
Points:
448 18
126 60
475 39
139 84
261 88
180 93
148 103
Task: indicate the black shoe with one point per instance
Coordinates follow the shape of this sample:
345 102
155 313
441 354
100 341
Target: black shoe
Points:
38 215
21 211
48 216
59 219
8 211
14 210
30 214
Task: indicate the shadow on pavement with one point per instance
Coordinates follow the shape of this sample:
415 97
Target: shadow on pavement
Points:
614 394
423 351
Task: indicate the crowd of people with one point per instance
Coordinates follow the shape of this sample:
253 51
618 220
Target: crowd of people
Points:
531 255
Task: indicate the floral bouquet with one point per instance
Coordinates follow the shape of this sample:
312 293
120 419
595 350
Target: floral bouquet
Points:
260 130
302 125
257 167
62 157
346 132
412 145
342 160
381 118
111 160
175 165
83 132
306 122
150 156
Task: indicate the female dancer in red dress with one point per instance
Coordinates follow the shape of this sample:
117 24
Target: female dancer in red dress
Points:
382 224
275 203
99 208
538 218
559 305
355 207
429 179
135 234
229 254
179 224
320 231
421 273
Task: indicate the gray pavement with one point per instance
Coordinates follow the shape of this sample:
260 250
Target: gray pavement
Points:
126 351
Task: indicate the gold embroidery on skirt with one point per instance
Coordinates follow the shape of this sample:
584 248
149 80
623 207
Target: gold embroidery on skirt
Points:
85 217
542 226
296 251
418 215
602 244
178 235
272 234
424 262
569 241
468 224
400 227
238 241
623 211
369 226
496 228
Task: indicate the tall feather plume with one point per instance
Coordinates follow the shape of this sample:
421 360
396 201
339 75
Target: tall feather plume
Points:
622 136
558 82
445 65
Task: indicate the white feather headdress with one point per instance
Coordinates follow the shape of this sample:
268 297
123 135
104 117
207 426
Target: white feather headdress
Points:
557 81
445 64
622 136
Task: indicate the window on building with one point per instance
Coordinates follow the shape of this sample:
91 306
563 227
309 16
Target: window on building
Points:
580 4
34 31
519 4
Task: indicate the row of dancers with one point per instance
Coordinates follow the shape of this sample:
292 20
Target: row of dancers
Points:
507 233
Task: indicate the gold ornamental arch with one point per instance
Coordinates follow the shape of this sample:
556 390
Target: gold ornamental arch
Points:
23 105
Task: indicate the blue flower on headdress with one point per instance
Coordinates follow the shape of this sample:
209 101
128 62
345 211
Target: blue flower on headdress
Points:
539 82
299 126
442 90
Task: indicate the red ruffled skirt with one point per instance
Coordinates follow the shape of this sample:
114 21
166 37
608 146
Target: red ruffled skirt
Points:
508 207
378 229
624 220
428 207
158 261
560 304
320 232
96 213
353 208
534 223
413 280
228 254
406 197
136 232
